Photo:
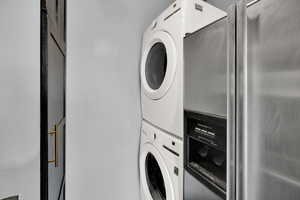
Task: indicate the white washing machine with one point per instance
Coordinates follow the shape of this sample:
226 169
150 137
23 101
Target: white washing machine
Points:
161 71
161 165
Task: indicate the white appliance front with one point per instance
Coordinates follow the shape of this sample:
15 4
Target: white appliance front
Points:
155 177
161 165
161 71
158 65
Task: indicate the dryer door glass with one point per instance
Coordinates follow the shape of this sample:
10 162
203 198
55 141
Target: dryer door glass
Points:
156 65
155 178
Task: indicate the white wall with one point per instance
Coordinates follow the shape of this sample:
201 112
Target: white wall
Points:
103 100
20 98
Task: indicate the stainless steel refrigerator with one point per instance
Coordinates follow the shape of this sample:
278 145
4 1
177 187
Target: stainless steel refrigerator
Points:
246 69
209 59
268 100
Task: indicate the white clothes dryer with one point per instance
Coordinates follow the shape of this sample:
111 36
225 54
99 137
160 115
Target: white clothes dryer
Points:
161 71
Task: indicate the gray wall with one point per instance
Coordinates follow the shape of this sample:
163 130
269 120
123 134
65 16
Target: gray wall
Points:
103 100
20 98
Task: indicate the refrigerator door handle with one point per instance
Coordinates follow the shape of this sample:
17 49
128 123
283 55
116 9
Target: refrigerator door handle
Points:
241 91
231 99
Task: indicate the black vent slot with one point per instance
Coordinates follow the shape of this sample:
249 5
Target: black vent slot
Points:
173 13
12 198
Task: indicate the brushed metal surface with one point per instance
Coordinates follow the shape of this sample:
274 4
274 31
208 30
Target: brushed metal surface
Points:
222 4
205 59
210 86
240 63
231 106
270 101
195 190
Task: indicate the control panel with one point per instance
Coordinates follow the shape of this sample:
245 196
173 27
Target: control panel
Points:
205 150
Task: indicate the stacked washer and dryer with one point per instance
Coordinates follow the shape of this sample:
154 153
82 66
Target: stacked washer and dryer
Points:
161 159
161 147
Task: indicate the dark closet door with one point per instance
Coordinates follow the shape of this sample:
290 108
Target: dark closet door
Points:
53 99
56 119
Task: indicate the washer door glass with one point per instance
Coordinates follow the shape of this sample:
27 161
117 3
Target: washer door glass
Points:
155 178
156 65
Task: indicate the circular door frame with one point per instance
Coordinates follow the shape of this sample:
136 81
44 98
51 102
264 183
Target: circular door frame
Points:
149 148
171 51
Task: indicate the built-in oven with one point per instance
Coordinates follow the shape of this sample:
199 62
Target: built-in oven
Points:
205 150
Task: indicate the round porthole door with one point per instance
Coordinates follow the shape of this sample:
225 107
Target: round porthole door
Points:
155 178
158 65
